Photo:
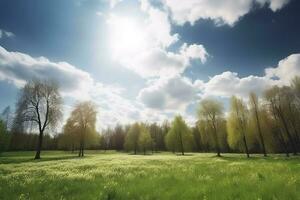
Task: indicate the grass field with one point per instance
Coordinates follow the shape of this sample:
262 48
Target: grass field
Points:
61 175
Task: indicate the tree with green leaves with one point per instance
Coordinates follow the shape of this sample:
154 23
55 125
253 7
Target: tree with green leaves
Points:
6 117
279 100
237 124
69 139
83 123
211 113
4 137
179 136
255 112
132 137
145 140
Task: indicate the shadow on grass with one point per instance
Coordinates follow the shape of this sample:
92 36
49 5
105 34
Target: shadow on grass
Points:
140 154
185 154
18 160
256 157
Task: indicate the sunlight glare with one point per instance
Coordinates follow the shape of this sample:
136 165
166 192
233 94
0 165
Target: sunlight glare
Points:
126 37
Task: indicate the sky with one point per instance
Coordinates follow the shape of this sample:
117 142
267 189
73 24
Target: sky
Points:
148 60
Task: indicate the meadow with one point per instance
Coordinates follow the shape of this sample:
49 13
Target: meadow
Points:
111 175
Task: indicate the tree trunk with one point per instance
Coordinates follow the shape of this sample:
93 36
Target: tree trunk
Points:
288 133
260 133
296 136
281 138
82 151
79 154
39 146
216 140
246 146
181 144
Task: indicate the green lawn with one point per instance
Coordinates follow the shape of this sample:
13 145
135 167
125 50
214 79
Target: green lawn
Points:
61 175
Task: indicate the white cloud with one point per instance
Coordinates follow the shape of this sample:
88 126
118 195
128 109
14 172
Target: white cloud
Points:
170 93
228 84
157 62
274 5
114 3
158 27
194 51
7 34
286 69
140 47
17 68
176 93
220 11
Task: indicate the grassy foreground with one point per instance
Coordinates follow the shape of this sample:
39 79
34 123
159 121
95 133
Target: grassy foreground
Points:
61 175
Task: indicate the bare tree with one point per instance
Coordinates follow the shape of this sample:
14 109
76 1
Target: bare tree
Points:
40 103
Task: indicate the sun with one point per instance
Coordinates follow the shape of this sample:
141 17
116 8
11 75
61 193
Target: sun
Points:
126 36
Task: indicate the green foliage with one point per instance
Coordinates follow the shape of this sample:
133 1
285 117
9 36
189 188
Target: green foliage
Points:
4 137
208 142
179 137
238 124
132 138
145 140
285 111
60 175
210 114
80 129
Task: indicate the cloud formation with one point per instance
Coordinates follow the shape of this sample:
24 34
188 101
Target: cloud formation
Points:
176 93
5 34
229 83
143 46
286 69
17 68
170 93
220 11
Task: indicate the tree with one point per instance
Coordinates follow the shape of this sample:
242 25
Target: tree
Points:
197 138
295 85
179 136
145 140
6 117
70 137
292 112
106 139
132 137
237 124
256 115
278 103
83 122
211 112
4 137
155 133
119 137
165 127
40 103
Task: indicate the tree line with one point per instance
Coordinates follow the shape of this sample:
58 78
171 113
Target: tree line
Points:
269 124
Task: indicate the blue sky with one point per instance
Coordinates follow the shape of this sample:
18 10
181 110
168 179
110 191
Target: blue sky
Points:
150 59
